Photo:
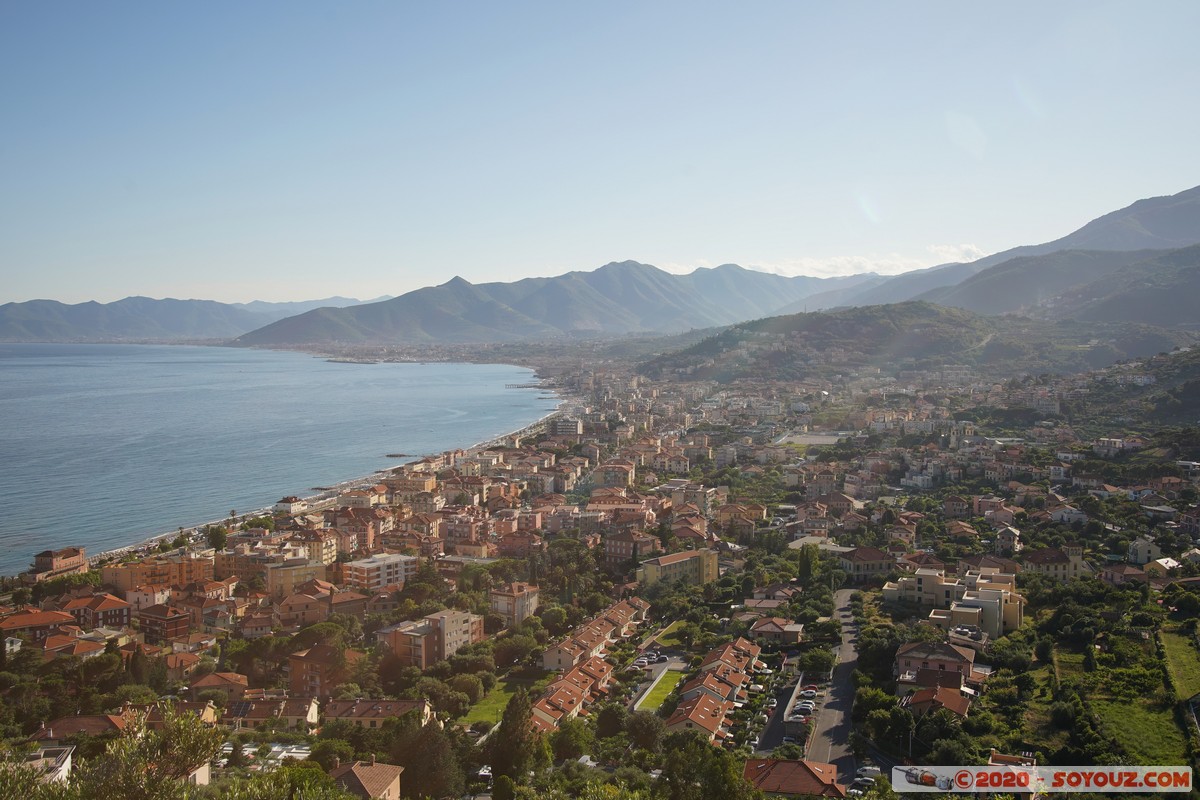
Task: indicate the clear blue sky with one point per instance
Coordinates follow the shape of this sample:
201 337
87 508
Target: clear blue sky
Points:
296 150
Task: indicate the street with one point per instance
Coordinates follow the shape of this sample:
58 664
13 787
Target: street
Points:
830 741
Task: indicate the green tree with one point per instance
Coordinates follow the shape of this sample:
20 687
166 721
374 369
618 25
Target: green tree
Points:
431 765
513 649
645 730
217 536
325 751
610 720
151 764
514 742
572 739
302 781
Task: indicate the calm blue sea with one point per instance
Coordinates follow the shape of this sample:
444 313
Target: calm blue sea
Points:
106 445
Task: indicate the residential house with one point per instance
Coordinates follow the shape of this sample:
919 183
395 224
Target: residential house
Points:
516 602
937 656
1119 574
33 623
1061 564
232 684
367 713
777 630
793 778
866 563
368 779
702 714
1143 550
925 701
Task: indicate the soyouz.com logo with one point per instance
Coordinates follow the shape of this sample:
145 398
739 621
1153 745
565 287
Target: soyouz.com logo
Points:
1041 779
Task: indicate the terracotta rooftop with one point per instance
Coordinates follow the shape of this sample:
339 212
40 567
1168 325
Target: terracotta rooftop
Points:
776 776
366 778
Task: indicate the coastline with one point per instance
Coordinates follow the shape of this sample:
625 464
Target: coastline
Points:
194 533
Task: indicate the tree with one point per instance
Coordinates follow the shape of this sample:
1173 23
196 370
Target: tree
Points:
504 788
217 536
513 745
325 751
513 649
645 730
237 756
301 780
572 739
151 764
431 766
470 685
610 720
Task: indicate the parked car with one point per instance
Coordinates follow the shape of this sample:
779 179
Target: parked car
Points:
809 693
868 771
772 703
812 687
662 659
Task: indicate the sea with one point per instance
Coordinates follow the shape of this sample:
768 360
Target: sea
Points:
104 446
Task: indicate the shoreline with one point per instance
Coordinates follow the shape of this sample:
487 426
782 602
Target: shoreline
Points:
150 545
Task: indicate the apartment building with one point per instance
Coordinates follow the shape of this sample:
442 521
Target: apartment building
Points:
694 567
173 570
424 642
374 573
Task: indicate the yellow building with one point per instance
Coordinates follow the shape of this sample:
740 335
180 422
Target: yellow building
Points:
282 579
695 567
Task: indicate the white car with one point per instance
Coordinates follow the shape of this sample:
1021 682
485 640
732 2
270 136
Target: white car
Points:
809 693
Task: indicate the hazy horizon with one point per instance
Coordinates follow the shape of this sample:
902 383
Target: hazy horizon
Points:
292 151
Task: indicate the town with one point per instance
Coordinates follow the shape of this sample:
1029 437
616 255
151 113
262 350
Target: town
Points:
673 588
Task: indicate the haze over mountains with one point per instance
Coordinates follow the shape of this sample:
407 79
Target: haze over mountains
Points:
1137 264
145 319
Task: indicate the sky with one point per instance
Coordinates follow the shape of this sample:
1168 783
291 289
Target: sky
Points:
299 150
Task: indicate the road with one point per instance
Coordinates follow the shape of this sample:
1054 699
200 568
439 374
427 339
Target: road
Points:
830 741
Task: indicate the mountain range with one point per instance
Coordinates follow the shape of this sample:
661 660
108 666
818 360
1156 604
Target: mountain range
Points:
1137 264
1150 240
145 319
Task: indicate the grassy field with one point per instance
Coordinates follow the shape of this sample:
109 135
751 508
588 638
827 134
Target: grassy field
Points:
1148 733
1068 665
664 687
491 707
668 639
1037 713
1183 662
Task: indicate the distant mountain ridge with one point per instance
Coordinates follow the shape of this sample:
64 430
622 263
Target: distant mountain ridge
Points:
142 319
617 299
1131 264
1155 223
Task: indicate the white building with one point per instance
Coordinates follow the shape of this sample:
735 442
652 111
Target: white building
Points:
374 573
